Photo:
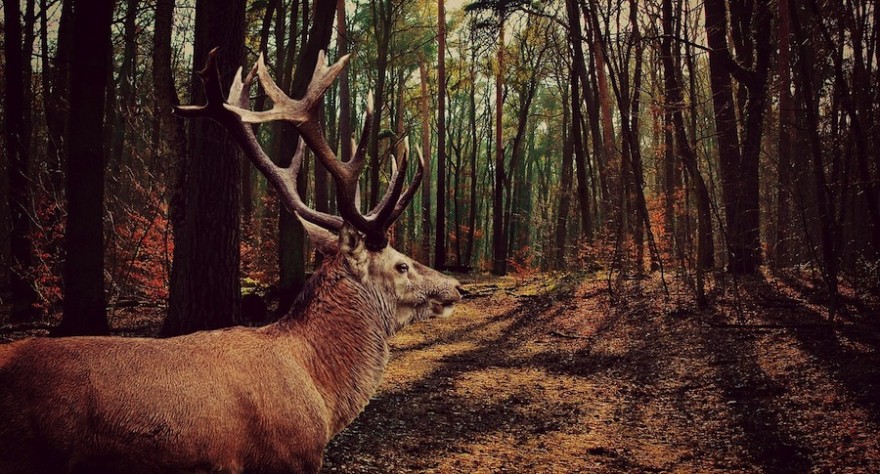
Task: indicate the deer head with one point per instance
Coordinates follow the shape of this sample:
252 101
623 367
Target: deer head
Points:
357 241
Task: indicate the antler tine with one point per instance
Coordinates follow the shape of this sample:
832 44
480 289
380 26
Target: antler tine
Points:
327 221
407 195
236 116
357 161
392 183
384 209
242 133
213 94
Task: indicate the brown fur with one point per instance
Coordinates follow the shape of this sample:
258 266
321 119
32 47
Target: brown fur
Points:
234 400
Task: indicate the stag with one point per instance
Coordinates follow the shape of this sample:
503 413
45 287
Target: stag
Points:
241 399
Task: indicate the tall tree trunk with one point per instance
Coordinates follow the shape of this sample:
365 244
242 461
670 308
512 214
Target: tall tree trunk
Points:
273 8
472 127
824 195
172 151
344 88
27 51
499 237
579 73
292 236
786 120
564 198
858 132
57 106
382 12
440 222
739 168
19 197
608 162
84 297
426 150
672 85
209 296
124 108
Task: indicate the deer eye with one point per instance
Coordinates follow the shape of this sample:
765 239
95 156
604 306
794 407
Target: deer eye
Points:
402 267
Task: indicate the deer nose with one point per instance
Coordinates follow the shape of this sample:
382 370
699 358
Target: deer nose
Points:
461 291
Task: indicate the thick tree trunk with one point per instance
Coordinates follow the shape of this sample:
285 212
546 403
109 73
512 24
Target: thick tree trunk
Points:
84 297
608 167
209 292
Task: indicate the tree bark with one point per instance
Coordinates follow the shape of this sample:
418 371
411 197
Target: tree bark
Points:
83 275
607 165
209 292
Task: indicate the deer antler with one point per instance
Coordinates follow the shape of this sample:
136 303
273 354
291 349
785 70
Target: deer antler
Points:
236 114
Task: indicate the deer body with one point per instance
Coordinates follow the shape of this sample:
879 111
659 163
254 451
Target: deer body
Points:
240 399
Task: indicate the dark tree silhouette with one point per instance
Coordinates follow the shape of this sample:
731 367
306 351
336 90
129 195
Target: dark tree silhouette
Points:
206 292
84 297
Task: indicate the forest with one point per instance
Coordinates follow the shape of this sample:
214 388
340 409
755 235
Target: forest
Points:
664 215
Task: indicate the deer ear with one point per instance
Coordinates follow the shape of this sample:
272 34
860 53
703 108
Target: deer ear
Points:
351 244
324 241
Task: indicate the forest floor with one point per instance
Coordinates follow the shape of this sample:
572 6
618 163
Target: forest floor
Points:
549 376
552 374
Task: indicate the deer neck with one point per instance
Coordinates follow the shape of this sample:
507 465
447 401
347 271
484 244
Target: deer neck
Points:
345 326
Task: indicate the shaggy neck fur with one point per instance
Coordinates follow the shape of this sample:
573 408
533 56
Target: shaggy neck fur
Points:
347 323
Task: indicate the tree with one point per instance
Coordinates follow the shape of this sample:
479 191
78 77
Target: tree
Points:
293 266
675 103
578 80
344 88
17 142
786 120
206 292
440 228
169 139
739 160
84 297
426 150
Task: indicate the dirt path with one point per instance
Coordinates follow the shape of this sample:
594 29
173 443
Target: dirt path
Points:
549 377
